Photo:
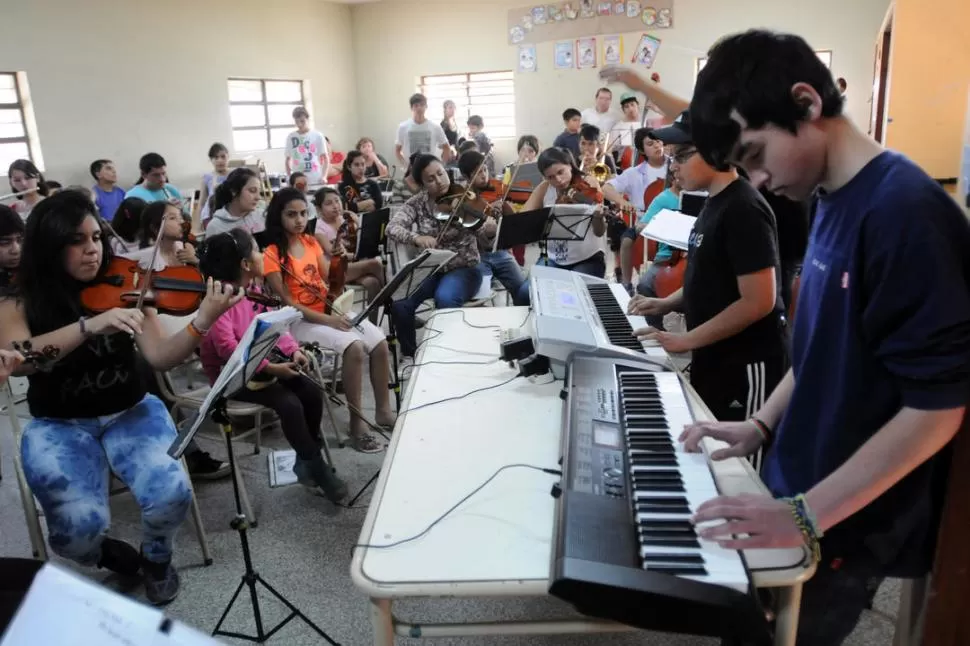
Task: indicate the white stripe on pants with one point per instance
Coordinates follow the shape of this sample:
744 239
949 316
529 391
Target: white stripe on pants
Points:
756 399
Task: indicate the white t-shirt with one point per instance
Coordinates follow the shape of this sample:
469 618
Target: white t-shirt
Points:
425 137
568 252
602 120
634 181
304 151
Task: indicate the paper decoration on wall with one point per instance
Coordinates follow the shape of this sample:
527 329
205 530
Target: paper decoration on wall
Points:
573 19
613 50
527 58
646 50
585 53
564 55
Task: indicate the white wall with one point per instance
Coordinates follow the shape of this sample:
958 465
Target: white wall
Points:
397 42
119 78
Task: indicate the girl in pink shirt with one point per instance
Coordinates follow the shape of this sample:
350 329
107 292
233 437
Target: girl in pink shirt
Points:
233 257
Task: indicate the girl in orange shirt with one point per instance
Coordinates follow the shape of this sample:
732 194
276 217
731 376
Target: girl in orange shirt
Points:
295 268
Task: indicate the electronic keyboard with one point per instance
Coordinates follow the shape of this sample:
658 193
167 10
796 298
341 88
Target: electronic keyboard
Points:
573 312
623 545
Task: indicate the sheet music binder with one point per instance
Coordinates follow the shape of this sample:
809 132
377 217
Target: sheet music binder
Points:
372 233
407 280
672 228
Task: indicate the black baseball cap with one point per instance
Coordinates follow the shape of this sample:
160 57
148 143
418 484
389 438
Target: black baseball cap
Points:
676 133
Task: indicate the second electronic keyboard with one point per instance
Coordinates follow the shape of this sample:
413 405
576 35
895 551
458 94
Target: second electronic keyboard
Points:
573 312
623 545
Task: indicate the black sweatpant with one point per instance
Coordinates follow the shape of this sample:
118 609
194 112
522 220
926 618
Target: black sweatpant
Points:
299 405
734 386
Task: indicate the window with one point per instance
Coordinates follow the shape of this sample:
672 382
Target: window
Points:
491 95
825 55
261 112
15 138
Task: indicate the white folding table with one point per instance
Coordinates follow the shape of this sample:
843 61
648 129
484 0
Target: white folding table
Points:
499 542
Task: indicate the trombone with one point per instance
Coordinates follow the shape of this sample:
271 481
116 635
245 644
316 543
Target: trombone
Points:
600 170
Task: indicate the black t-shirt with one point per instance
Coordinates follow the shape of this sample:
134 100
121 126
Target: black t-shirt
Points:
734 235
99 378
353 193
374 171
450 135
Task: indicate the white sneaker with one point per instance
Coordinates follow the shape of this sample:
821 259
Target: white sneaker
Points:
405 366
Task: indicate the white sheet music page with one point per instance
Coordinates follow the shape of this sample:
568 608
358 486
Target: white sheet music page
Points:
670 227
64 609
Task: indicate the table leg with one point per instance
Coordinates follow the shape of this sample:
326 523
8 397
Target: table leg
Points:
786 619
383 622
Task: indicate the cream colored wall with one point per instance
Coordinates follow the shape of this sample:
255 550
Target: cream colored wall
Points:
397 42
928 80
118 78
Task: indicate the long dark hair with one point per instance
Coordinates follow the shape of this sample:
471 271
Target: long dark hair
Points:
551 156
127 219
347 176
27 167
275 234
232 186
151 222
51 297
220 255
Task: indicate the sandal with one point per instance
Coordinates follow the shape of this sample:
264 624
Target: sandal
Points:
365 443
389 421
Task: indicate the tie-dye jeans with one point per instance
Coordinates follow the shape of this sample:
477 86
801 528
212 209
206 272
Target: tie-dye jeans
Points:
67 463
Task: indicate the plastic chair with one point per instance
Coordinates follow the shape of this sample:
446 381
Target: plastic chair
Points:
31 515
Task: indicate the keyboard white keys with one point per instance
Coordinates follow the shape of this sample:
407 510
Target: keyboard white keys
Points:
650 347
669 484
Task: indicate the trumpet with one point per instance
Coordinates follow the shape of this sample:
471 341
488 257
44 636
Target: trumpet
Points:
601 172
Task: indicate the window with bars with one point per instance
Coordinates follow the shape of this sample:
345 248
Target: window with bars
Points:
261 112
15 140
824 55
491 95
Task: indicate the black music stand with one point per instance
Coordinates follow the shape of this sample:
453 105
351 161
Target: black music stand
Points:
238 371
372 235
561 223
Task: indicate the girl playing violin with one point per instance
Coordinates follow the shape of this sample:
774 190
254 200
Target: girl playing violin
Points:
361 194
126 223
499 264
417 223
91 414
295 268
173 251
234 258
335 224
565 183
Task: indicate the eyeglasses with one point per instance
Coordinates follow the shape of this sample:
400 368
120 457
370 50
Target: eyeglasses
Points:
681 157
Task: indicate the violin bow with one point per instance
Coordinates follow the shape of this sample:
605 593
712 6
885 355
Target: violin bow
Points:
461 200
151 268
326 300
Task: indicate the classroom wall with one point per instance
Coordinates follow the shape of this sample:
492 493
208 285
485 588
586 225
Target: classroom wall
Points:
395 43
928 80
119 78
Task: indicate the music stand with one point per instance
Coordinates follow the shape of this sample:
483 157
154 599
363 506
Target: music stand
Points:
257 342
372 235
562 222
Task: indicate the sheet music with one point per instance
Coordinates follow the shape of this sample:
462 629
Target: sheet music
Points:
64 609
670 227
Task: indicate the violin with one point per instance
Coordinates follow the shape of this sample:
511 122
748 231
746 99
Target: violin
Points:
464 208
494 193
177 291
580 191
40 359
187 236
348 231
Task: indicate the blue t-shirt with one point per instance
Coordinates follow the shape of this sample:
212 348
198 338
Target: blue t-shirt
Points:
666 200
108 201
569 141
883 322
159 195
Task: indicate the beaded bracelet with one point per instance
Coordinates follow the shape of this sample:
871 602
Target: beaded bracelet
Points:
195 331
762 428
807 524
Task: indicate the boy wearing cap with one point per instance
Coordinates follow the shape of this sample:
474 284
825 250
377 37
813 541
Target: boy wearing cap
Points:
731 293
622 134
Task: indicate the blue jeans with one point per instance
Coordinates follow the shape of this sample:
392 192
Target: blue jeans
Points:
452 289
502 265
592 266
646 287
67 463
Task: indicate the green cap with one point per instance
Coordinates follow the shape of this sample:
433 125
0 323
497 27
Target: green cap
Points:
628 96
